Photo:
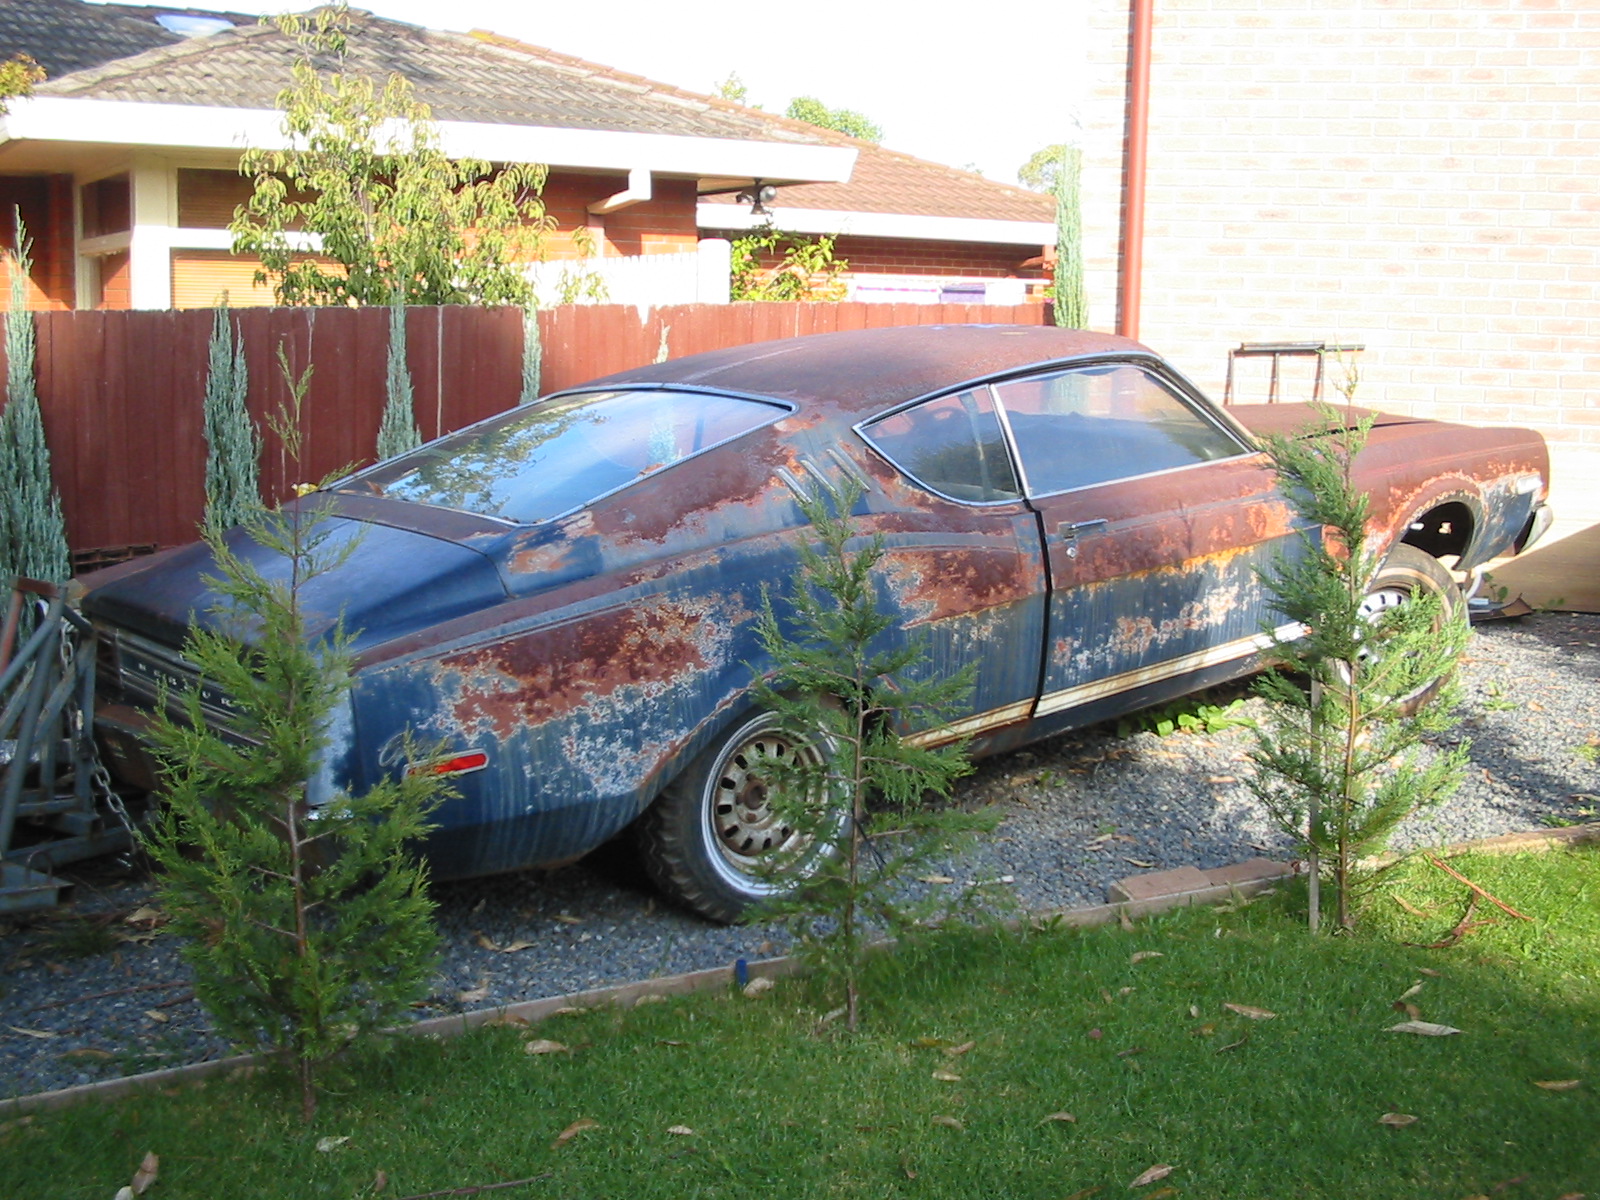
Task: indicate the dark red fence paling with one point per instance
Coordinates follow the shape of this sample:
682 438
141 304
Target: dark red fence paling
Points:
121 392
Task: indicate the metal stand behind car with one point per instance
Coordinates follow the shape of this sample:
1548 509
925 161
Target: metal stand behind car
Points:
56 801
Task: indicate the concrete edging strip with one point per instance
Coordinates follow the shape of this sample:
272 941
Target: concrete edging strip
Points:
718 978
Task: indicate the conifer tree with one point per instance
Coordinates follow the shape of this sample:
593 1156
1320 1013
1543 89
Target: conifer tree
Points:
33 535
532 355
233 444
306 916
397 432
845 682
1343 756
1071 298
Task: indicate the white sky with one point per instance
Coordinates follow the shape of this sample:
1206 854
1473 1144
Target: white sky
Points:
968 86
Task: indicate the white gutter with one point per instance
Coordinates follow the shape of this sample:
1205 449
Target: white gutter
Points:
833 222
203 127
638 190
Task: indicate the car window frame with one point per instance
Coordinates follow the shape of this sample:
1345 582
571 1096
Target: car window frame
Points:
782 408
1182 389
1007 441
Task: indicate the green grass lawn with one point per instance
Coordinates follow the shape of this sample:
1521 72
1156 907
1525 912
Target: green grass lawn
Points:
1144 1055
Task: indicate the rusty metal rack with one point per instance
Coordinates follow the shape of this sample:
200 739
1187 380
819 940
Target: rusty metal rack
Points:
51 782
1277 351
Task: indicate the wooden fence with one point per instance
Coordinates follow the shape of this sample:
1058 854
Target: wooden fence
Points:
121 392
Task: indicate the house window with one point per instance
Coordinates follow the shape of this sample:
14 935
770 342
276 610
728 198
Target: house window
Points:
107 206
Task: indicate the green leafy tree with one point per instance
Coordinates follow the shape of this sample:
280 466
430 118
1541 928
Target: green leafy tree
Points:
33 534
1071 296
732 88
18 74
844 682
366 176
397 430
1043 168
306 917
233 444
842 120
1344 755
805 268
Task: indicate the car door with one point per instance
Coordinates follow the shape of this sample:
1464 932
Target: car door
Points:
963 559
1156 518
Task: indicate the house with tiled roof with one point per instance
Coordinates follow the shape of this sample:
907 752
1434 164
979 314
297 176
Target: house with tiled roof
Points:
124 161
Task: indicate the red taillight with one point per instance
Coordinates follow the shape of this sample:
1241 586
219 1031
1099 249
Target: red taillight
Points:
453 764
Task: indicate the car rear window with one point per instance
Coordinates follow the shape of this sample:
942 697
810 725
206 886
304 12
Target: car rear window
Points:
547 459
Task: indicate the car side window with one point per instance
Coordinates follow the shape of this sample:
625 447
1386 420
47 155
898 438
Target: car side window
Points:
1095 424
953 445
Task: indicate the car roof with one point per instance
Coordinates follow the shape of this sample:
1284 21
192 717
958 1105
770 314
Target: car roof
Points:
865 371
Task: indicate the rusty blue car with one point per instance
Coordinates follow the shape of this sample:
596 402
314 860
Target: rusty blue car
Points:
564 596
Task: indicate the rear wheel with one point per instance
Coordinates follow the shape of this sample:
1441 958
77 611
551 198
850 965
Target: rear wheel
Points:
716 843
1406 574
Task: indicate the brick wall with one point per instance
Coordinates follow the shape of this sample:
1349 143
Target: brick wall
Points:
663 224
45 203
1415 175
903 256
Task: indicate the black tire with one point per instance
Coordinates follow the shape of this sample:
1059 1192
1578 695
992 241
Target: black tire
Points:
1406 573
712 842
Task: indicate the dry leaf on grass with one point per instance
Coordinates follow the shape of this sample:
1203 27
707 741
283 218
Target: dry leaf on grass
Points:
947 1077
1430 972
545 1046
380 1180
1206 1030
145 1176
329 1144
947 1122
1410 1010
1397 1120
1161 1193
757 987
1424 1028
1557 1085
1411 991
505 1019
1251 1011
1084 1193
1141 955
1159 1171
1064 1118
142 914
573 1130
681 1131
957 1051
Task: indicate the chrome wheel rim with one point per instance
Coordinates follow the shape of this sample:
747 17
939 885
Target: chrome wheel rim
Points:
755 846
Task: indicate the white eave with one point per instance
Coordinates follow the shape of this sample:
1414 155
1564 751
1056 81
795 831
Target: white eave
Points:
202 127
836 222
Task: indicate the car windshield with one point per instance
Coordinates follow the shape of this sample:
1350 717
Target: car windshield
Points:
547 459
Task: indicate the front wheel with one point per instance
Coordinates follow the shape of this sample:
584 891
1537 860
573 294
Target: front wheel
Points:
715 842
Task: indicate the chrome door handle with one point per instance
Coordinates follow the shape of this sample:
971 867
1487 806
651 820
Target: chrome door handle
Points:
1070 531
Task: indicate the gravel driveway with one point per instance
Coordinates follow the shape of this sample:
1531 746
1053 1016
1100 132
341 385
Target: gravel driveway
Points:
87 994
